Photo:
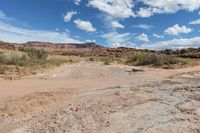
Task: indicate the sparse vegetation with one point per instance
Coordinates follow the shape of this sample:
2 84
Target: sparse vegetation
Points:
155 59
2 57
37 54
13 58
106 62
30 61
184 60
91 59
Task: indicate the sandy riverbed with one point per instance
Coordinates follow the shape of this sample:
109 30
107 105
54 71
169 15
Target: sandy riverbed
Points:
94 98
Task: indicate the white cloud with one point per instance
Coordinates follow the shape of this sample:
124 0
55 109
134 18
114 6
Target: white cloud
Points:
177 30
117 40
90 41
2 15
15 34
195 22
144 12
77 2
116 24
167 6
67 30
124 8
143 26
110 22
199 12
143 37
158 36
69 16
117 8
84 25
175 44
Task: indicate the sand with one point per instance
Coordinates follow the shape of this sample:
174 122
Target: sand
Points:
89 97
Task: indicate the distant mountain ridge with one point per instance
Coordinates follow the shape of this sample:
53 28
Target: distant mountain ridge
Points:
92 49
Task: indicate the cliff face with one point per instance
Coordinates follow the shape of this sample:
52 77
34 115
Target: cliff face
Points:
92 49
5 45
87 49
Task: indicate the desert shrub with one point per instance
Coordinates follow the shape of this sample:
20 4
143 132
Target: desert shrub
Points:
70 60
23 60
2 57
112 56
142 59
106 62
15 58
131 60
91 59
155 59
37 54
170 60
146 59
159 60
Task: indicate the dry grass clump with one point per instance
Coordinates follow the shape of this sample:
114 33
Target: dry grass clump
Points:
13 58
106 62
30 57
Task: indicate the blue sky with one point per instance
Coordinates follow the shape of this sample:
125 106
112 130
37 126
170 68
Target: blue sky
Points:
153 24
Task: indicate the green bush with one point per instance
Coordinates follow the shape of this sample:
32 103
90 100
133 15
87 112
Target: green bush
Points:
37 54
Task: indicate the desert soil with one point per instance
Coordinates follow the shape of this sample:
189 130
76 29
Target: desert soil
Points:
94 98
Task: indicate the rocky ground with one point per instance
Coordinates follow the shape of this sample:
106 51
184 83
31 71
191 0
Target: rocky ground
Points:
94 98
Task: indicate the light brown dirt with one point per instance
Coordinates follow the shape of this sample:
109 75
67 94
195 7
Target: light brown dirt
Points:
94 98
